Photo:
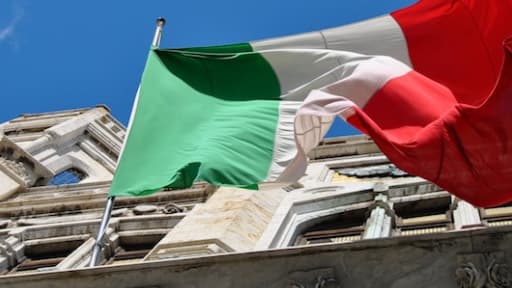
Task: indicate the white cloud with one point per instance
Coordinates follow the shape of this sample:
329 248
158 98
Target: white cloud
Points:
5 32
8 31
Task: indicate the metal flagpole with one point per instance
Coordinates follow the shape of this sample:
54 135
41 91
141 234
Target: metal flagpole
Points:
160 22
101 232
98 246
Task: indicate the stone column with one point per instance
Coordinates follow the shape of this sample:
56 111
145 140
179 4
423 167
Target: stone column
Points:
232 220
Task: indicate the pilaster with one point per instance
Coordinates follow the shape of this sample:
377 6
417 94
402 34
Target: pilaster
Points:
379 223
465 215
12 250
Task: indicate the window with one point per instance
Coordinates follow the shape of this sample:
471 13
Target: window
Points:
69 176
425 216
340 228
47 254
133 249
104 120
497 216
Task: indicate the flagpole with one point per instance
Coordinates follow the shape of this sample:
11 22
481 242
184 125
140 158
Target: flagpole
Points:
101 232
160 22
98 245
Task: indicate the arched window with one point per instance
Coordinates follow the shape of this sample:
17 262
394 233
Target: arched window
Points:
68 176
339 228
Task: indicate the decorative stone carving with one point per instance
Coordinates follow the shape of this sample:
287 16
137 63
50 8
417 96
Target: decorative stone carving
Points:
468 276
382 200
15 167
4 223
18 169
172 208
119 212
499 275
318 278
144 209
487 274
12 249
19 165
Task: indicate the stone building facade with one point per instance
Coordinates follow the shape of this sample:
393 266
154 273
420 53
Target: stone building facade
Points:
354 220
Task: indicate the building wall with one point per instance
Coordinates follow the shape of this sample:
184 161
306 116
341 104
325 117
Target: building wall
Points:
55 172
353 220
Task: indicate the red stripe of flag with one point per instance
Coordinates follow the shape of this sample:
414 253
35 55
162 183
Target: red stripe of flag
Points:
451 125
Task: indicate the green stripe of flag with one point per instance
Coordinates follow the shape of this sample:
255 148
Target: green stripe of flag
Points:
200 117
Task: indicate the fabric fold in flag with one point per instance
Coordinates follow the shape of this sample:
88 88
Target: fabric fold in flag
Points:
465 149
225 118
419 81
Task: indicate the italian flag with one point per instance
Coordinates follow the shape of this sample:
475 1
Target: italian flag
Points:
429 83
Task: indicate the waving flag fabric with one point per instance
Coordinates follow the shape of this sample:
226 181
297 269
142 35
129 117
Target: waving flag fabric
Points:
429 83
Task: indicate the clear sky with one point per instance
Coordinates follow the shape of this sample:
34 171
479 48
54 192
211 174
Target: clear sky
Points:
58 54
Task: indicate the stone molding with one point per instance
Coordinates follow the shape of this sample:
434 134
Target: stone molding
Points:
190 249
91 196
411 261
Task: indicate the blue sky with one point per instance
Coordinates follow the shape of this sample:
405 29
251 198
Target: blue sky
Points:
57 55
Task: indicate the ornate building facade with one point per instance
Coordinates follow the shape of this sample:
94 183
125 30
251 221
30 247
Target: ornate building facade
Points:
354 220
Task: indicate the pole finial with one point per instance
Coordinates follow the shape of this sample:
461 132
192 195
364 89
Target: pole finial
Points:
160 21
